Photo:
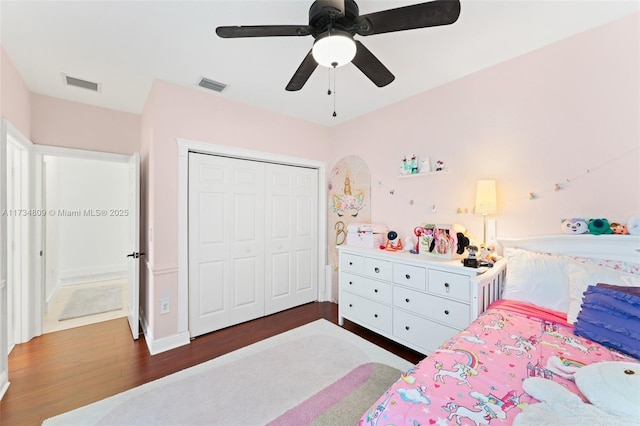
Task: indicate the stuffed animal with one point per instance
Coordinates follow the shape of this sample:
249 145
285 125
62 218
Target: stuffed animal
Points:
463 242
574 226
619 228
488 254
633 225
611 387
599 226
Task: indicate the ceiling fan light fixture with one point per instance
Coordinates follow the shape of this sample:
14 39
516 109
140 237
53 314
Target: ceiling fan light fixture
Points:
334 49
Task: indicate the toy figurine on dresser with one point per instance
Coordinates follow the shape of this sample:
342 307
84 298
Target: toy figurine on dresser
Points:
394 243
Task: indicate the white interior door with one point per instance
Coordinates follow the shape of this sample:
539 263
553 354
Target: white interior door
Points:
23 291
291 224
133 263
226 242
4 344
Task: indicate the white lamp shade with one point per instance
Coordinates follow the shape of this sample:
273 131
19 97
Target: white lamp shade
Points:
334 49
486 202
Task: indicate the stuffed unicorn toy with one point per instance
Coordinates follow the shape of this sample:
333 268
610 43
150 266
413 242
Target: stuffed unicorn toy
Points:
612 388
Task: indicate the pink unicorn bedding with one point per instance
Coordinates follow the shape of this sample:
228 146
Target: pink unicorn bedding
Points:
475 378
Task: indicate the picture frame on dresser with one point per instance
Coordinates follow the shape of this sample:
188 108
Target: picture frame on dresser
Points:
418 302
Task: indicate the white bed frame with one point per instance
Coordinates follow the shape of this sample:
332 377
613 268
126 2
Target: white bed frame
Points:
625 248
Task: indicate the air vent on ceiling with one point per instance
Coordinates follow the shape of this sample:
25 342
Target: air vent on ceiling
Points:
211 85
77 82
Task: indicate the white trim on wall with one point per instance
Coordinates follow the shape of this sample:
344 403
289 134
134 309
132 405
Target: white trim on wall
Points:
4 350
4 316
184 147
94 274
58 151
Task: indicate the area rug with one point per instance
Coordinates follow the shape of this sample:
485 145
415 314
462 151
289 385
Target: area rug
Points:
315 374
93 300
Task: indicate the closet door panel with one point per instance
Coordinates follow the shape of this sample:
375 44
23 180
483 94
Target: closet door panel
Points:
280 269
226 229
211 297
305 281
292 236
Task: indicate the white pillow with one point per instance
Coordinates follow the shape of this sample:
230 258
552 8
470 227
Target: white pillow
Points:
537 278
582 276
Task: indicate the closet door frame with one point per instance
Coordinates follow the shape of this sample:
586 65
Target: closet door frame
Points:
184 147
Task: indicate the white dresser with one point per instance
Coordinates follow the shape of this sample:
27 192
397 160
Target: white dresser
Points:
417 301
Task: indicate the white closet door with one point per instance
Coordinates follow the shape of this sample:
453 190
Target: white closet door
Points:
226 242
291 226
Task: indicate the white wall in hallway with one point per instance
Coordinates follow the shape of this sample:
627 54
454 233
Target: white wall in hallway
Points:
86 202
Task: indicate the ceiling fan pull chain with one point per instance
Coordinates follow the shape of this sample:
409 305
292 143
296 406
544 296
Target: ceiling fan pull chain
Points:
334 92
329 81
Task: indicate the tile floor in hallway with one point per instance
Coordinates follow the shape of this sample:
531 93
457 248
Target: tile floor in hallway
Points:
56 305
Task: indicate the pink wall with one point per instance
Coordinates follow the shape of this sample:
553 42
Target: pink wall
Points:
15 98
529 123
179 112
74 125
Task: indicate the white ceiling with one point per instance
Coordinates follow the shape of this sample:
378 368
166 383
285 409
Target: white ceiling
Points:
125 45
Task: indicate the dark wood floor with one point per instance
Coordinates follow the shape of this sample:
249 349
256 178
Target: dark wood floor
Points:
60 371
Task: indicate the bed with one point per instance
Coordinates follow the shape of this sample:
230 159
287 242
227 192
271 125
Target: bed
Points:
475 377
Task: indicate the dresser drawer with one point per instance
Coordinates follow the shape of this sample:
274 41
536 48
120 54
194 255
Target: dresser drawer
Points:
410 276
351 263
449 284
420 332
447 311
367 311
376 268
373 289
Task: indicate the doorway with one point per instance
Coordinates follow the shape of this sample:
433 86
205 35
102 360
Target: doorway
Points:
90 233
85 277
27 286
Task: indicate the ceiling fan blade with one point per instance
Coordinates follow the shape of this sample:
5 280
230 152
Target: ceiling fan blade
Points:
263 31
371 66
302 74
422 15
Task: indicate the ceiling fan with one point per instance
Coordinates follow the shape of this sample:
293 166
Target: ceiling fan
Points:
333 23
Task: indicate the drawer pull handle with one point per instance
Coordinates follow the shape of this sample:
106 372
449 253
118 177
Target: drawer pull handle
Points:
407 276
406 327
406 300
447 286
350 263
377 270
351 305
350 282
375 315
446 312
375 290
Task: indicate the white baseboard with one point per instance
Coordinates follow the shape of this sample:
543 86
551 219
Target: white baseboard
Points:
166 343
4 384
80 276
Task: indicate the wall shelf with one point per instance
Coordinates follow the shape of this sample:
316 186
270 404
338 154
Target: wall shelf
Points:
414 175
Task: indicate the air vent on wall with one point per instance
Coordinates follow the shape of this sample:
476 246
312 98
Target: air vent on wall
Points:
211 85
84 84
